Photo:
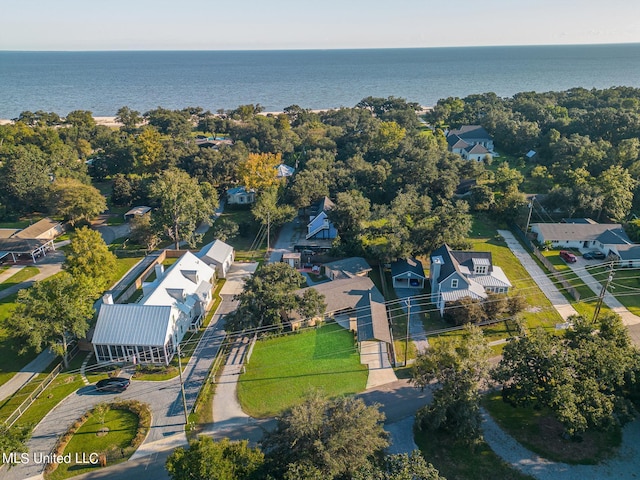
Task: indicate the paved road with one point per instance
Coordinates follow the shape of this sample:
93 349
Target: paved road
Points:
112 232
560 303
287 238
48 266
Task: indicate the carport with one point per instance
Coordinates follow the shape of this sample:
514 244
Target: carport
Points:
17 247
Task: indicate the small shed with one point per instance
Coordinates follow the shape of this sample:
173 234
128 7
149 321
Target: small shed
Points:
240 196
407 273
292 258
136 212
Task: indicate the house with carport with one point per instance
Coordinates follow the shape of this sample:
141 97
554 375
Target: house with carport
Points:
150 330
585 234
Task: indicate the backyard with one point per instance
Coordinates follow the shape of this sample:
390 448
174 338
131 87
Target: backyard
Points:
283 369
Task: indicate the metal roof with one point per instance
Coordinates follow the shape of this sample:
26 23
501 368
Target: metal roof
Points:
582 232
133 324
216 251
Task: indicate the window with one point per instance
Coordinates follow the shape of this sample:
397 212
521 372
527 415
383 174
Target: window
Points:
481 270
454 283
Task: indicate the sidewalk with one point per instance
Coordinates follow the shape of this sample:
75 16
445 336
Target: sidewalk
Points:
32 369
628 318
560 303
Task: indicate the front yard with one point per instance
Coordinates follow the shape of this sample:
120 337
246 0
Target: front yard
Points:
283 369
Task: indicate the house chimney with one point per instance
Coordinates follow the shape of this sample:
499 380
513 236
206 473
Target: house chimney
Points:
434 271
159 269
107 299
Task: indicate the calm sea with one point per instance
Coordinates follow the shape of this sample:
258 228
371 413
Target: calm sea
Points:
102 82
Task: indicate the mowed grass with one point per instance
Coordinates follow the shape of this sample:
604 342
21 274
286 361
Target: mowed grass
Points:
625 283
283 370
122 425
20 276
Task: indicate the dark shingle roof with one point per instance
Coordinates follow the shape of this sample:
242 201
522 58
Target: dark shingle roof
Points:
407 265
471 131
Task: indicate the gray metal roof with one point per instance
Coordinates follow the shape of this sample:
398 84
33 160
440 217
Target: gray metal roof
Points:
373 323
133 324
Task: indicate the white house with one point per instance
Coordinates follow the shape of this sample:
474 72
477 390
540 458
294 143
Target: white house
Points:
586 234
219 256
471 142
150 330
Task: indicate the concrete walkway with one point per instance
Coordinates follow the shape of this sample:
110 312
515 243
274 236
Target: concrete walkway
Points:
416 328
375 356
560 303
48 266
628 318
27 373
10 272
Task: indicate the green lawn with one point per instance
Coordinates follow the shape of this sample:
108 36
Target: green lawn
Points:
122 425
283 369
539 432
9 346
22 275
626 286
249 228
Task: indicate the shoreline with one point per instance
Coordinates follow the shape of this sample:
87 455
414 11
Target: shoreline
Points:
107 121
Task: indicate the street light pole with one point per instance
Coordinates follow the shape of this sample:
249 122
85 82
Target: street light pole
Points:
406 340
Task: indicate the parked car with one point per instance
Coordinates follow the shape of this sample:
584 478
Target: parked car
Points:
113 384
595 255
568 256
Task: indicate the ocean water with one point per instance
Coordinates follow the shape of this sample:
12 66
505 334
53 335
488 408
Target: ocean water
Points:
102 82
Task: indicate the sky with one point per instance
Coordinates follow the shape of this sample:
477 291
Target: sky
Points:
311 24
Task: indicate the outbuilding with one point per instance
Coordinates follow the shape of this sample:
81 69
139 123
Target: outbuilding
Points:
407 273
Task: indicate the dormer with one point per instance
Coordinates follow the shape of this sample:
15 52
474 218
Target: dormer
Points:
177 293
481 266
191 275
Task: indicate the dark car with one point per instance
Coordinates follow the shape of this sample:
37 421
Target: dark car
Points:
113 384
568 256
595 255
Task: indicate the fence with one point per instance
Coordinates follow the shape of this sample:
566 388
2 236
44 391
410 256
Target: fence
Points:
13 418
558 277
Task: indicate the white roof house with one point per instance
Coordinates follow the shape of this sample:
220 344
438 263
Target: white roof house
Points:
219 256
148 331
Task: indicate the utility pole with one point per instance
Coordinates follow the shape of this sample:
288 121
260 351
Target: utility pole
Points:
526 230
603 292
268 231
406 340
184 397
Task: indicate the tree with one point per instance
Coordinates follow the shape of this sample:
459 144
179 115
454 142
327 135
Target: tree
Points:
181 205
206 459
14 439
267 211
350 211
224 229
129 119
148 149
259 172
587 378
53 312
89 256
401 467
311 304
460 368
75 201
143 232
266 294
331 438
463 311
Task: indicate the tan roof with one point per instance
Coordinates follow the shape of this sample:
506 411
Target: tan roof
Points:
37 229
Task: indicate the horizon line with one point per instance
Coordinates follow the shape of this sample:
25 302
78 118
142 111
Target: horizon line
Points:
317 49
